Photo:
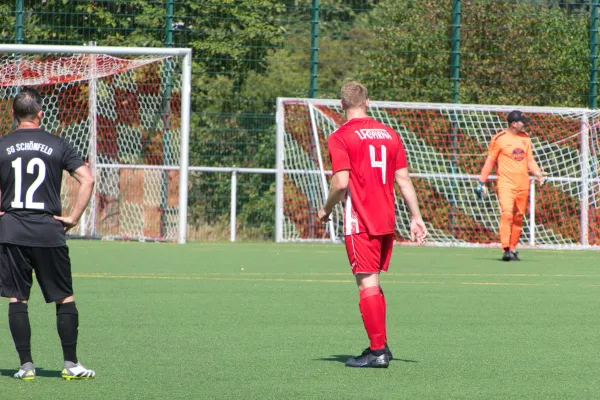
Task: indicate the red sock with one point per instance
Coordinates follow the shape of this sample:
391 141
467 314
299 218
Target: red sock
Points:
373 315
384 312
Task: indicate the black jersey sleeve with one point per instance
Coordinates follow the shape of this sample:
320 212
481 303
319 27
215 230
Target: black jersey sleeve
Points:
71 159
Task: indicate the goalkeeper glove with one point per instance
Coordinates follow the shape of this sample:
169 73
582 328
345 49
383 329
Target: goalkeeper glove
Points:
481 190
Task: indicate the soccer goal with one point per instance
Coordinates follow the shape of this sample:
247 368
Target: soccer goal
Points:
446 146
127 111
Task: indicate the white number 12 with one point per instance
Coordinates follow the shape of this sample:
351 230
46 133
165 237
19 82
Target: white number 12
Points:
378 164
29 203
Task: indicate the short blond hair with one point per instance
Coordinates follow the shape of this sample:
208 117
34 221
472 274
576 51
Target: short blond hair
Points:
354 95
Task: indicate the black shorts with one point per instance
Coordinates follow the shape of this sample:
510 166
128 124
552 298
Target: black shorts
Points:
52 268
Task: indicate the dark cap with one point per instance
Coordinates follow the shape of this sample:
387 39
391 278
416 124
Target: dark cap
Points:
516 116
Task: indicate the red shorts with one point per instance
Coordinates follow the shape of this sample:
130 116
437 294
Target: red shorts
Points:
369 254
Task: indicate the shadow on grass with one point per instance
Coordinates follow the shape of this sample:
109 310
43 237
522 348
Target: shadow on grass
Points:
528 260
343 358
38 372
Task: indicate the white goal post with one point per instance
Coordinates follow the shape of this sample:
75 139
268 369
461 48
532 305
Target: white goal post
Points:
446 146
127 112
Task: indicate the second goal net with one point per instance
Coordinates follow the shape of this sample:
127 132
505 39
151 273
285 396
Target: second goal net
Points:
446 146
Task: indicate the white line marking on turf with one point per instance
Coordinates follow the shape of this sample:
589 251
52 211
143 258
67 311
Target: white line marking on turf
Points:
204 278
346 274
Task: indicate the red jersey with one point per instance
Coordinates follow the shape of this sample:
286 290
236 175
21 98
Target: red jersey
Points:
372 152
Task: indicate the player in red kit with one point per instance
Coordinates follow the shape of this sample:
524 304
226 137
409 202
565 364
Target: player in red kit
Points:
367 158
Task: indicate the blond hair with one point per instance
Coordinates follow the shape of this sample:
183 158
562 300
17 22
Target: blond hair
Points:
354 95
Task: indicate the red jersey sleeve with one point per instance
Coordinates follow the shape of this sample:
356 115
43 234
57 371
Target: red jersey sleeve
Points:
401 157
338 153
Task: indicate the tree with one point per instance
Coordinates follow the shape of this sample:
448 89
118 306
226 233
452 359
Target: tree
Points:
410 54
511 53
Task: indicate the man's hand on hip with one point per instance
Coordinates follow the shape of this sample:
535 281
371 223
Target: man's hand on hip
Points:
67 222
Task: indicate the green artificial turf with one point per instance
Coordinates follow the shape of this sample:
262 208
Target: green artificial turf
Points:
269 321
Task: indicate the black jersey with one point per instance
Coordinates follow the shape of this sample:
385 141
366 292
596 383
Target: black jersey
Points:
31 167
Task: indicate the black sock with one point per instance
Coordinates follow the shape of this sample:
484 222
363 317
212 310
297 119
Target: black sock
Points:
18 321
67 322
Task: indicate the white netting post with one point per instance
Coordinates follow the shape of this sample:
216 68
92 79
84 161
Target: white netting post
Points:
93 138
585 186
531 213
324 185
233 206
279 158
186 90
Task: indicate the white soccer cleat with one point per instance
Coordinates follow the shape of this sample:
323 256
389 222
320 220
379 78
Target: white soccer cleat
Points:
26 372
77 371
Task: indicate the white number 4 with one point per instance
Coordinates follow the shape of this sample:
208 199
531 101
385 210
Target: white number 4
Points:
29 203
378 164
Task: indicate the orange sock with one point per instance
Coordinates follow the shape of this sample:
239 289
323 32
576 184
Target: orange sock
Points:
515 233
506 222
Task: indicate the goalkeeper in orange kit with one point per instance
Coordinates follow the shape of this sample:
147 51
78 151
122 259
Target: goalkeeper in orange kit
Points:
512 151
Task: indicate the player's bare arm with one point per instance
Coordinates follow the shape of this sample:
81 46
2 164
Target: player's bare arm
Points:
535 169
84 176
337 191
418 231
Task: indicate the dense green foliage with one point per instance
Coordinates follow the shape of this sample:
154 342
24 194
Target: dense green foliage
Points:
247 53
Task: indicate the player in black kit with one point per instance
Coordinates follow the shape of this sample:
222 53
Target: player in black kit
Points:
32 229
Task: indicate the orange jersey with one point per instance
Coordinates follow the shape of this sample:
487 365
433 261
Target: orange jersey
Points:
511 152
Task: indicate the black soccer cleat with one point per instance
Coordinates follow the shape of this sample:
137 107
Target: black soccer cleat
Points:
387 351
514 256
507 255
369 360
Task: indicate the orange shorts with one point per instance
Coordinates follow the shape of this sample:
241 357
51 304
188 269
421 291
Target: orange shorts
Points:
513 200
369 254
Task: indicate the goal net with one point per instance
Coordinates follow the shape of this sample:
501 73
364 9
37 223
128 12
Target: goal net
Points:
446 146
126 111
